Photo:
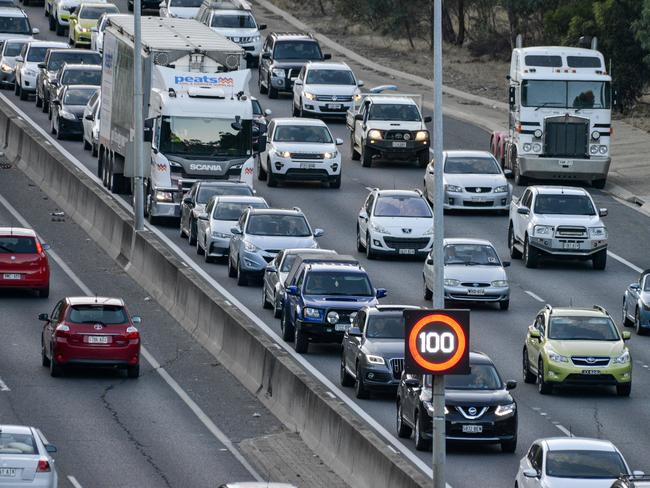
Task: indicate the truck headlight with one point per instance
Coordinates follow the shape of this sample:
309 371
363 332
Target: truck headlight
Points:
330 155
501 189
309 96
311 313
556 358
598 232
164 196
499 283
502 410
602 149
593 149
278 72
451 282
595 135
453 188
375 359
527 147
375 134
422 135
543 230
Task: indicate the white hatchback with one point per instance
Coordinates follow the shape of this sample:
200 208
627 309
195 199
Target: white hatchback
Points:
25 458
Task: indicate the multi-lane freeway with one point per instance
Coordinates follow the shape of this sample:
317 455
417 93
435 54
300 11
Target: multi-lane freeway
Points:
96 416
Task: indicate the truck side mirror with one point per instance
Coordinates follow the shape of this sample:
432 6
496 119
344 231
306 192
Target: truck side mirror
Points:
358 116
511 96
327 56
148 130
260 145
266 55
428 119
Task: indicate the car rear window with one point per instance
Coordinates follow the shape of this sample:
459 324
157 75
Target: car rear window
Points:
17 245
91 314
583 464
17 443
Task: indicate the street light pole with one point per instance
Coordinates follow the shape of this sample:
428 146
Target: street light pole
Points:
138 102
438 384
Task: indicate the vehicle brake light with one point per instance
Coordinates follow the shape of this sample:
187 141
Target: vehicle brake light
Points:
132 333
62 330
43 466
39 247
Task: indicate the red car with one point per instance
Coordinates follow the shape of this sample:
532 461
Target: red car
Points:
90 331
23 261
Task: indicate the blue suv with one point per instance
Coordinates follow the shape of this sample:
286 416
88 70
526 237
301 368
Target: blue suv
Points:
322 299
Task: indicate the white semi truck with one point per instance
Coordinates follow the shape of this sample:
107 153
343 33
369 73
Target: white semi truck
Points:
560 116
197 110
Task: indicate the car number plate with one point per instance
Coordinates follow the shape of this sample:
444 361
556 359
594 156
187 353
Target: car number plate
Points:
8 472
475 291
571 245
591 371
334 106
472 429
565 163
341 327
98 339
399 143
12 276
307 165
410 252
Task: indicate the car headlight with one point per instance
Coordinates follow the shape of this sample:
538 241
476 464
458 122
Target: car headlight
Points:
453 188
330 155
357 97
375 134
450 282
221 235
284 154
428 232
501 189
598 232
555 357
164 196
255 39
378 228
6 68
353 316
422 135
83 30
309 96
311 313
250 247
623 358
429 408
543 230
499 283
278 72
375 359
527 147
505 409
333 317
67 115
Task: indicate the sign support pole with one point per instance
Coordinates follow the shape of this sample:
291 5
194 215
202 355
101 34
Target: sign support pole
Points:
138 102
438 383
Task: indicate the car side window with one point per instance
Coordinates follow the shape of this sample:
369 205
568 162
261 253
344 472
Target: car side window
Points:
56 312
360 321
364 110
532 456
23 51
369 202
538 458
210 206
242 221
300 279
302 73
270 130
540 324
526 198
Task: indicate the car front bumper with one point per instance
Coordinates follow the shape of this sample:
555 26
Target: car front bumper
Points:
320 332
390 150
377 377
402 246
327 108
486 294
217 247
548 168
476 201
305 169
7 78
28 83
561 246
569 374
493 428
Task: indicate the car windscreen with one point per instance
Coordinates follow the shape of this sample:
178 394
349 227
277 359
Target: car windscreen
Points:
297 50
471 255
402 206
205 192
13 48
482 377
471 166
11 443
278 225
337 283
59 58
564 205
17 245
36 54
233 210
302 133
244 21
330 77
15 25
93 13
82 77
97 314
394 111
385 326
583 329
584 464
77 96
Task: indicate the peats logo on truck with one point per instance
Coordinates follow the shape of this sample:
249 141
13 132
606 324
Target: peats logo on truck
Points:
206 81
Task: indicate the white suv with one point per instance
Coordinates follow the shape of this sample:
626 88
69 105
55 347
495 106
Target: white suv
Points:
14 24
395 222
325 89
300 150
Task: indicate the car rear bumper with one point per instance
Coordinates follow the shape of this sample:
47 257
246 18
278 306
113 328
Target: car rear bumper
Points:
568 168
66 353
28 280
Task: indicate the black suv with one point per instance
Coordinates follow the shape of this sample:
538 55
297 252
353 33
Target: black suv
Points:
283 56
479 407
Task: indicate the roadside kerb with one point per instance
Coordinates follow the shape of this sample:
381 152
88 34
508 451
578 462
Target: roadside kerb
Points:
339 437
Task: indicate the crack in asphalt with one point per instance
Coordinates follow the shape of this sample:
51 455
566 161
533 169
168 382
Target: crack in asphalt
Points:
599 424
131 437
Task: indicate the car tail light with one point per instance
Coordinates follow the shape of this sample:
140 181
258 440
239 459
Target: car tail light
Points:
39 247
62 330
43 466
132 334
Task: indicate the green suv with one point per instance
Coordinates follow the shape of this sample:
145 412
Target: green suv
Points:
576 347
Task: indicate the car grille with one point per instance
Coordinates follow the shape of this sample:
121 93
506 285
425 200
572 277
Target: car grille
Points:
399 135
477 413
477 204
397 366
307 156
478 189
589 361
471 284
333 98
293 72
569 231
240 40
406 243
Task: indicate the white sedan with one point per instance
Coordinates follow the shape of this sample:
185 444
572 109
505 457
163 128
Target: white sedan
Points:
25 458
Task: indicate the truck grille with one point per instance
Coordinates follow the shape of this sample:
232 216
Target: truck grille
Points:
405 243
589 361
397 366
566 137
572 232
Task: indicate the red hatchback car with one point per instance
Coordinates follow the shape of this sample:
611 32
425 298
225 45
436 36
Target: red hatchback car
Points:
91 331
23 261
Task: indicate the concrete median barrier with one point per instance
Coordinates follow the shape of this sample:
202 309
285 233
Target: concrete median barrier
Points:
341 438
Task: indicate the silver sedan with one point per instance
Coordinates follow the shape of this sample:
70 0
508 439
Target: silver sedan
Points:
25 458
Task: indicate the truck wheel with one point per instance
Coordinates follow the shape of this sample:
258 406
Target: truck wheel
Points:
262 88
599 184
353 150
530 255
599 260
514 252
366 157
423 159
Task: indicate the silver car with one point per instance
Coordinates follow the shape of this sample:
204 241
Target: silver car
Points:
473 180
25 458
213 225
9 50
473 273
276 273
260 234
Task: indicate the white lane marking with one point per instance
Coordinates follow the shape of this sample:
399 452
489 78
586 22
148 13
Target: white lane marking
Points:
564 430
200 414
3 386
74 482
624 261
536 297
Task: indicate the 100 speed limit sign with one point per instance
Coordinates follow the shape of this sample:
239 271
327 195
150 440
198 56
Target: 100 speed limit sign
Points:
437 341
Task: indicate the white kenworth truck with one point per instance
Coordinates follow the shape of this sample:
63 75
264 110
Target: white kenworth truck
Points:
560 116
197 110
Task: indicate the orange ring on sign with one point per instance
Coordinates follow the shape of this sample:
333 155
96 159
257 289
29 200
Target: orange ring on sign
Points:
449 363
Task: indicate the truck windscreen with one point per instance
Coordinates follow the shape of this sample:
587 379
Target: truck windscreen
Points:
566 94
203 137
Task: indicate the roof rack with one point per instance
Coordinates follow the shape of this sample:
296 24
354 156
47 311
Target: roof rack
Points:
297 209
549 308
600 309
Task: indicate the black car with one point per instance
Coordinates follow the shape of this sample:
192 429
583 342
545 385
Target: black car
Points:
74 74
260 119
68 109
372 358
479 407
194 201
283 56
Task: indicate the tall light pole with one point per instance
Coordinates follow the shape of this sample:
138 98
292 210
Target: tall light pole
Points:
138 107
438 386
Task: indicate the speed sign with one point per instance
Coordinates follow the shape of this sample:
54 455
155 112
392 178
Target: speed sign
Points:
437 341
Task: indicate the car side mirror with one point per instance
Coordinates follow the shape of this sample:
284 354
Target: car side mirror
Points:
41 65
339 141
626 334
635 287
636 472
56 102
507 173
136 319
268 112
188 201
429 261
161 4
530 473
36 30
266 55
523 210
602 212
51 448
318 232
358 117
428 119
506 264
511 385
44 317
270 268
360 83
381 292
327 56
55 83
204 216
89 117
94 29
45 246
535 334
412 383
19 59
261 27
236 230
298 82
354 332
292 290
